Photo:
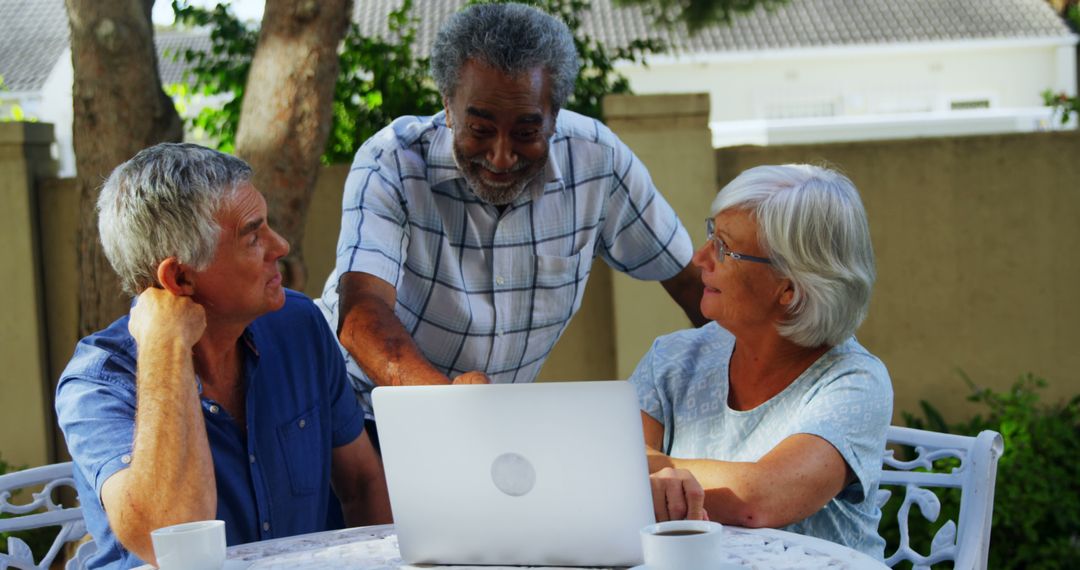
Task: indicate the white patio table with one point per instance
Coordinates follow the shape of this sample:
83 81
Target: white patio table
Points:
375 548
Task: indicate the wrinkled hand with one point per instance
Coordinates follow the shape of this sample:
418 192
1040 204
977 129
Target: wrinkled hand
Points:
158 316
677 495
472 377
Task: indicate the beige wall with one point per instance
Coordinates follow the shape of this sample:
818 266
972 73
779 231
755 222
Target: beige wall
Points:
975 240
26 435
974 236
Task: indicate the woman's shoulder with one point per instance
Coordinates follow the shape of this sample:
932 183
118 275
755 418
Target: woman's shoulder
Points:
709 337
690 349
851 361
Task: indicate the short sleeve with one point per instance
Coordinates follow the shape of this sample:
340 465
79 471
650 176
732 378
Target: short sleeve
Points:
641 236
347 419
373 236
852 411
98 421
651 398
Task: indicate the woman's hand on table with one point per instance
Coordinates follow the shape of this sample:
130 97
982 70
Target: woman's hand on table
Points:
677 495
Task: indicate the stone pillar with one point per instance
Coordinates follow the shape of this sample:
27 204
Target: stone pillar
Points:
26 417
670 134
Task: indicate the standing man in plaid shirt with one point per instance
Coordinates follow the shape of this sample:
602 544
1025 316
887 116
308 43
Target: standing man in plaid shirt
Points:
467 237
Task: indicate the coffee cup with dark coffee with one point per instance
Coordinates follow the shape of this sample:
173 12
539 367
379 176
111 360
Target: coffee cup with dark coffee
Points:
682 545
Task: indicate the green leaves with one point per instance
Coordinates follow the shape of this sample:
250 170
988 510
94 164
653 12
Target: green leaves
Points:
1064 105
1037 499
15 112
698 14
220 74
380 78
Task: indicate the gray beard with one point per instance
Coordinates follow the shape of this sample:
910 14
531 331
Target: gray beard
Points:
494 195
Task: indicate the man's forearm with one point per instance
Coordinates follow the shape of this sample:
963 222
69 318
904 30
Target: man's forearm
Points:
376 339
171 476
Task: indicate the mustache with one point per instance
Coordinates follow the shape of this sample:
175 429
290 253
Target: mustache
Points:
517 167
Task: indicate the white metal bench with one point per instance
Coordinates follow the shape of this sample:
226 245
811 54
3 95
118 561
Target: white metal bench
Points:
70 520
967 541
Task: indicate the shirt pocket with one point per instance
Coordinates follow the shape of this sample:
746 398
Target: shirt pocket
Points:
301 446
560 286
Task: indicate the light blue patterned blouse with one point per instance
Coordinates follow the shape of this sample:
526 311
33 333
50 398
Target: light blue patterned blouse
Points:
845 397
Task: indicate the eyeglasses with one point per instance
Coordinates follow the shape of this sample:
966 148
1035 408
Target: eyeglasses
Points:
720 248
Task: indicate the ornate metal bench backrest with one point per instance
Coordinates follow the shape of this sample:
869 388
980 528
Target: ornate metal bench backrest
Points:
966 541
70 520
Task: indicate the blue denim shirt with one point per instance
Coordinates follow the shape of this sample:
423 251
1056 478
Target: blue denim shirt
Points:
272 481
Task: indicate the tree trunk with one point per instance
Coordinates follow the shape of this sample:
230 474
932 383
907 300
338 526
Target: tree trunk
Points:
287 111
119 109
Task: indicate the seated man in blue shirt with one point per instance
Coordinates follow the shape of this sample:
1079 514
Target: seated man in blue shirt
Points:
222 394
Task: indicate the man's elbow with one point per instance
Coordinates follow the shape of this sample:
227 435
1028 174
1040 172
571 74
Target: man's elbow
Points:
133 522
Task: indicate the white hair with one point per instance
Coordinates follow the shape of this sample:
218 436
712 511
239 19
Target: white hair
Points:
813 226
163 203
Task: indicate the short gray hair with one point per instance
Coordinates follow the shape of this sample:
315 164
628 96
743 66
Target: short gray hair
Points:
163 203
512 38
813 226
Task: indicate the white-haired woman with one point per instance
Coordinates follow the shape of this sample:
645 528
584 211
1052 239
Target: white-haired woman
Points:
774 408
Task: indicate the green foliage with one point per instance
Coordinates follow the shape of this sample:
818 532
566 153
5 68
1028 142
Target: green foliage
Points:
222 70
1037 499
380 78
379 81
39 539
698 14
1064 105
15 112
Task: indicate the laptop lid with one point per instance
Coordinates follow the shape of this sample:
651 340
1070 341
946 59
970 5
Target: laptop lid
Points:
549 474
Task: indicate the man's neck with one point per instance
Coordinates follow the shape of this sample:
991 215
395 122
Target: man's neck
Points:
219 364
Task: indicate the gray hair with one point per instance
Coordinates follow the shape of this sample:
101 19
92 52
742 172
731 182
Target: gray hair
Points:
163 203
512 38
813 226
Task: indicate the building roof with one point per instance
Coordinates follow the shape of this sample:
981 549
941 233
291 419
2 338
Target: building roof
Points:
171 46
797 25
34 34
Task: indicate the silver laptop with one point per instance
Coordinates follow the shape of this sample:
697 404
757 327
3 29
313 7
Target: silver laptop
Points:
550 474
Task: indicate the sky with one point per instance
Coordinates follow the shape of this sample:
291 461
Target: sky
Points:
244 9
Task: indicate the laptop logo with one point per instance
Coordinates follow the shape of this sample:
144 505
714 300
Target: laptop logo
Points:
513 474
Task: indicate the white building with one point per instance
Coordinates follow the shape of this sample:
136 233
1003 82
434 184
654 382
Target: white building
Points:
35 62
825 70
810 71
828 70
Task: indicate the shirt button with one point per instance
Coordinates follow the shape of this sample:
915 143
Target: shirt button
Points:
266 526
499 332
126 460
303 423
499 280
214 408
251 458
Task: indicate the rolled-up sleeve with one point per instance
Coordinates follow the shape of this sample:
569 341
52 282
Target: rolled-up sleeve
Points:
98 421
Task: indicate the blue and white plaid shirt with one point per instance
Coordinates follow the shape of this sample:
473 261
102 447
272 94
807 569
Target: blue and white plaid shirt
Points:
480 290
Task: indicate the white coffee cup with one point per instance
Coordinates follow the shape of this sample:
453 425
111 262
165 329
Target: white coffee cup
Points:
198 545
682 545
